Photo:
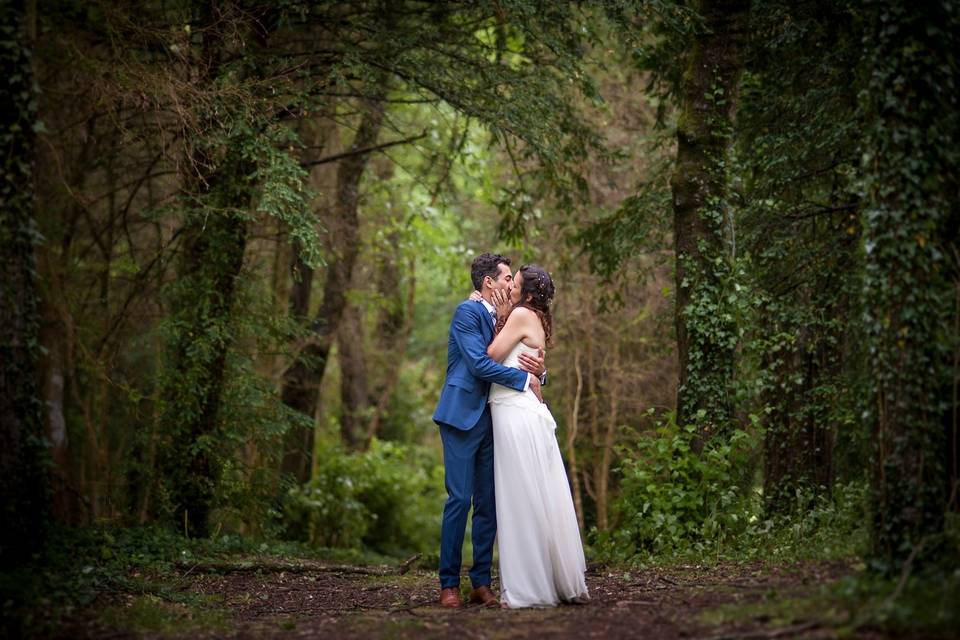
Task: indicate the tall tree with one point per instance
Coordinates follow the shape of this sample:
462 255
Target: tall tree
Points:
911 224
222 174
798 236
23 481
705 326
301 381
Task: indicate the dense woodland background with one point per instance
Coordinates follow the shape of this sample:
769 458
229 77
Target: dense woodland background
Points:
233 234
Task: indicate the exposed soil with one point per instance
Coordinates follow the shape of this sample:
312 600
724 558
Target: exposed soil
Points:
727 601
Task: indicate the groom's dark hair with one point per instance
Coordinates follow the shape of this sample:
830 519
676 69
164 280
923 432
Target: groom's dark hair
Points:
486 264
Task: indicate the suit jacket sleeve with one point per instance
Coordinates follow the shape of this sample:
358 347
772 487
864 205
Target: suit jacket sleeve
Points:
473 347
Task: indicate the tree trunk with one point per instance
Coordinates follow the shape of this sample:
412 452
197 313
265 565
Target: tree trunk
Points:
301 381
210 266
354 394
798 442
706 333
911 225
394 325
215 238
23 481
572 442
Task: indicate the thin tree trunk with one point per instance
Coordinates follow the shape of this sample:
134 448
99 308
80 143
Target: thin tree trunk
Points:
706 335
609 437
301 381
572 441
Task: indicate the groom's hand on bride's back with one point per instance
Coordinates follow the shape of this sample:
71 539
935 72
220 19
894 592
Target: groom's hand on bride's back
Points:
535 387
533 363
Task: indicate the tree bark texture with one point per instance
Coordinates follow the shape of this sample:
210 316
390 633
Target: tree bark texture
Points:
301 381
911 227
214 242
706 333
23 481
354 391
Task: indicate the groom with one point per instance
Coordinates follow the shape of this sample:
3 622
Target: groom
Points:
467 432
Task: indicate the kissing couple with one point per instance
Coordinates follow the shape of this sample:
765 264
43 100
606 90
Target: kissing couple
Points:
500 451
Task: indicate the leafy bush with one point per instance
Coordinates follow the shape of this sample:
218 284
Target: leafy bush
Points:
673 499
673 502
819 525
388 498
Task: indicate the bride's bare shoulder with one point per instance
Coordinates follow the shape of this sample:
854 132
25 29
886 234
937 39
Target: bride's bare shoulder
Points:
523 313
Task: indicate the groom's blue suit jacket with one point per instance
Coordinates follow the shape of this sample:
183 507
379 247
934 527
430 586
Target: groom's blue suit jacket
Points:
470 370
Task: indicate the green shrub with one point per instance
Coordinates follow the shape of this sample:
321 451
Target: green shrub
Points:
672 499
673 502
388 498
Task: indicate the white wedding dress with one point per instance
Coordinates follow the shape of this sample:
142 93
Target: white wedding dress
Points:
541 556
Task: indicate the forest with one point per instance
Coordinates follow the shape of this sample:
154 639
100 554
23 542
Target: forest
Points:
234 233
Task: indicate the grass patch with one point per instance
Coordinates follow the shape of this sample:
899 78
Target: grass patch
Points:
777 610
153 614
927 604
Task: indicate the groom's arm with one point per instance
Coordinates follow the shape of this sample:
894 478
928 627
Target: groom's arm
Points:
467 334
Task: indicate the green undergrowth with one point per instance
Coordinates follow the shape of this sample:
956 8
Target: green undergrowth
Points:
925 604
678 505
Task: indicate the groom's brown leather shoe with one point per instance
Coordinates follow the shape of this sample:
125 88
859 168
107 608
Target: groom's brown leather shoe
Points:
450 597
483 595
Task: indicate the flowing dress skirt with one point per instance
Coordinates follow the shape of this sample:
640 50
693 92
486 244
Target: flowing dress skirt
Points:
541 555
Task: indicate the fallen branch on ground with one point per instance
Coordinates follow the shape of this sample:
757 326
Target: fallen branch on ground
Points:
763 634
273 566
405 565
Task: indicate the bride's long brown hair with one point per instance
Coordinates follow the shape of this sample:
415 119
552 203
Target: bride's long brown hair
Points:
536 294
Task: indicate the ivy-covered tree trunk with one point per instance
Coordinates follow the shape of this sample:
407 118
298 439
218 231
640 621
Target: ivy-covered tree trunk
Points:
706 329
215 237
799 438
301 381
212 260
23 481
911 230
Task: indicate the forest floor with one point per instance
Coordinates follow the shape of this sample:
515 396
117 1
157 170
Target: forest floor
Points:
263 598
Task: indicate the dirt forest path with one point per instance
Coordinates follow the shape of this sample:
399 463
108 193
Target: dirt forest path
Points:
256 600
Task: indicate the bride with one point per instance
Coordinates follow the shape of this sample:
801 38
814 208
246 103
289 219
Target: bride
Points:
541 557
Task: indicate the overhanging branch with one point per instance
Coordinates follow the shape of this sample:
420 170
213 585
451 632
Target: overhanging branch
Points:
355 152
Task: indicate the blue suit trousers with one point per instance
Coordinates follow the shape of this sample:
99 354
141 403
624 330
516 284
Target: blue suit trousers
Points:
468 476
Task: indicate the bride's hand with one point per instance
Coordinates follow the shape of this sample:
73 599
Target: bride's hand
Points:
476 297
501 302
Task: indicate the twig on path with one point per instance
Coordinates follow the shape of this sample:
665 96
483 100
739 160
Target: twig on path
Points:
409 608
179 580
669 581
762 634
405 566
